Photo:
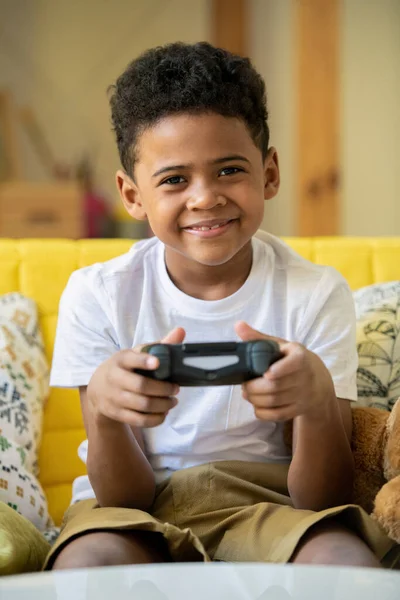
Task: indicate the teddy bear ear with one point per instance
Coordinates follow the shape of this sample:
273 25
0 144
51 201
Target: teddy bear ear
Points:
392 450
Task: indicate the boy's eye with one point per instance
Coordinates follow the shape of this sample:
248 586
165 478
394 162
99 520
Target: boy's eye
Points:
230 171
174 180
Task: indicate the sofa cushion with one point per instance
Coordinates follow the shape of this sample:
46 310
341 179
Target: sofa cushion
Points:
378 344
22 548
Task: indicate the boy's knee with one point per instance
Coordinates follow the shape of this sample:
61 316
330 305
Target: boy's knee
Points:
102 549
332 544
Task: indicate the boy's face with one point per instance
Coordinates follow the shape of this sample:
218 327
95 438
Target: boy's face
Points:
201 182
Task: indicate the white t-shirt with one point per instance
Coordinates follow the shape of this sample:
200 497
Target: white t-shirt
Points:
131 300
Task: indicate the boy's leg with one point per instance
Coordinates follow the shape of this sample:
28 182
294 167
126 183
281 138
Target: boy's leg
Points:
265 527
328 543
107 548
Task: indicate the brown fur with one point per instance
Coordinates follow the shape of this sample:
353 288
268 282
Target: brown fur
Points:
392 453
376 450
387 501
387 508
368 444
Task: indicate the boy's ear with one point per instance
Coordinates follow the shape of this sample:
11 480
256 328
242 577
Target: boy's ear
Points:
271 174
130 195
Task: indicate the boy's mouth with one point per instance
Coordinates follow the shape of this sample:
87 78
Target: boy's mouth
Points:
209 228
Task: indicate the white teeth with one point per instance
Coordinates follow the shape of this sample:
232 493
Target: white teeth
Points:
208 228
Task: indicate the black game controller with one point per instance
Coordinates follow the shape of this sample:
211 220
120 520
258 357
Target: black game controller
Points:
226 363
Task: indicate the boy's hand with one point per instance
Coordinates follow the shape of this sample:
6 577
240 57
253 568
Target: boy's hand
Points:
297 384
118 394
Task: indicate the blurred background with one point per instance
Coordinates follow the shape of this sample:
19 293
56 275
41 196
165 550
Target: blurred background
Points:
332 70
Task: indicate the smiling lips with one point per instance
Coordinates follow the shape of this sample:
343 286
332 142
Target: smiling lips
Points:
209 228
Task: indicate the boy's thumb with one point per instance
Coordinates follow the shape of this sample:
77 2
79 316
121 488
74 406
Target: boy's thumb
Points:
247 333
176 336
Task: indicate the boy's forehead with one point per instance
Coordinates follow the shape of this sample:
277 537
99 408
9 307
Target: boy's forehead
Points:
193 136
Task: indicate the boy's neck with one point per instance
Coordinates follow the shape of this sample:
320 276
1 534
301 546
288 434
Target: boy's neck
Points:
209 283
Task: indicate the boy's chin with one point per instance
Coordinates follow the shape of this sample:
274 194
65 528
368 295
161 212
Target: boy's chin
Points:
212 262
210 258
208 254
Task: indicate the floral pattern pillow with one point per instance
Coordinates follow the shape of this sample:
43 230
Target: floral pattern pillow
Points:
19 488
378 344
24 375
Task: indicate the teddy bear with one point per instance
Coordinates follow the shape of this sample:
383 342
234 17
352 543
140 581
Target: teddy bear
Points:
376 451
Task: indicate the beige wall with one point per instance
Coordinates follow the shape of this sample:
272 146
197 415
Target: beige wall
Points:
59 57
369 106
371 117
272 49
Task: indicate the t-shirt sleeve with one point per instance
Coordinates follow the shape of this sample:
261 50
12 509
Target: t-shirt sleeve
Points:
85 336
332 333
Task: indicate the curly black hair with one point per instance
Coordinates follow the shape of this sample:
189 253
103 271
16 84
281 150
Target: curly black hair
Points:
186 78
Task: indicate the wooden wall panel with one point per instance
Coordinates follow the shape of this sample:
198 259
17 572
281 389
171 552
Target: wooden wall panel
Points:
317 98
229 25
9 158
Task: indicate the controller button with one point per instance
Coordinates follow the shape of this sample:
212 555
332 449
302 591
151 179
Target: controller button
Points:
211 376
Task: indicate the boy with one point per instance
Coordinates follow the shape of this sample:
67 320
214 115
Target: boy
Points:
204 473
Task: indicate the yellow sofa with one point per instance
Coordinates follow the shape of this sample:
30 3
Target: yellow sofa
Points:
40 269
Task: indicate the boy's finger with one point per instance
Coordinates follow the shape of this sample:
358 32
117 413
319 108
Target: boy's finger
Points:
176 336
247 333
129 362
293 361
271 401
152 387
146 404
135 419
264 385
283 413
135 359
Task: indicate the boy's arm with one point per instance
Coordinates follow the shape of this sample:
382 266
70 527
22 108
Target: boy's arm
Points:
300 387
118 469
322 469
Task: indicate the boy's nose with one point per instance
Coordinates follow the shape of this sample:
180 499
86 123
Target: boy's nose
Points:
205 199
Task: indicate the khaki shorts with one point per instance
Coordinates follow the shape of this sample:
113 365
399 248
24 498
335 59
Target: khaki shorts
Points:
227 511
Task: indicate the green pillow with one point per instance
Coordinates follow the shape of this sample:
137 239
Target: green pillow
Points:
23 548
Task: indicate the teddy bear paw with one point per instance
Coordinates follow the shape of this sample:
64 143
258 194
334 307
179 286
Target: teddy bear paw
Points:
387 508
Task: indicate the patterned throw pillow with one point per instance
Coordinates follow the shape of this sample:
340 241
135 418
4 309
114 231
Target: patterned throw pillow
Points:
378 344
23 390
24 375
22 548
19 488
